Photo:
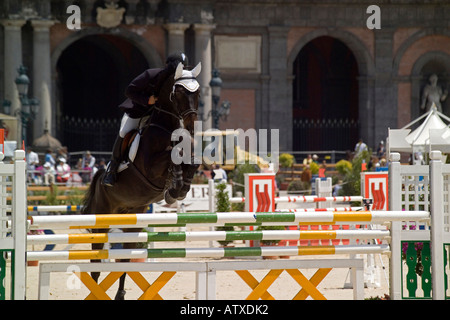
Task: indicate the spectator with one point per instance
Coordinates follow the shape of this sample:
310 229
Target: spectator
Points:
381 151
101 164
337 189
62 171
32 160
88 160
76 174
360 147
315 158
306 174
49 157
218 174
62 153
307 160
49 173
323 169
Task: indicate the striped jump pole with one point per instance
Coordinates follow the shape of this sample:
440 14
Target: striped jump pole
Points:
321 209
132 237
205 252
222 218
54 208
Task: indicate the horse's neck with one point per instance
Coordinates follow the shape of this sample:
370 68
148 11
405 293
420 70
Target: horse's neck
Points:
165 120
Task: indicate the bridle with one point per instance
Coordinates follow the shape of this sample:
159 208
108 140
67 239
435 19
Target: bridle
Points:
181 80
176 114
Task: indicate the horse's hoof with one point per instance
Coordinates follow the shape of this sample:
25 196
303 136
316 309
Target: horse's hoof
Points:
120 295
182 195
169 199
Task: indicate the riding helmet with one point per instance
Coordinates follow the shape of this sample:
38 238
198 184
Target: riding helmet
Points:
177 57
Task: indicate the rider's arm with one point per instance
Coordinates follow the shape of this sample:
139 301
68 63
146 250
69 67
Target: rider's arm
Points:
141 88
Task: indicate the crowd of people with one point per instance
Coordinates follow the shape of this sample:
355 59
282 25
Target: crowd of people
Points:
55 167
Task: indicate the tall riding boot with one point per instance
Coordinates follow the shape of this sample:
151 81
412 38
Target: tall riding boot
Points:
111 172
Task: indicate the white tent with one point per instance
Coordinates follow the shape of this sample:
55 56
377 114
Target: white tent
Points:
432 134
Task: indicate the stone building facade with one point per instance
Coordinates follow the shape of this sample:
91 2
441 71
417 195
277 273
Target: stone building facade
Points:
292 65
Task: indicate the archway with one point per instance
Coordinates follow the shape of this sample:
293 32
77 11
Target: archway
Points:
92 74
325 96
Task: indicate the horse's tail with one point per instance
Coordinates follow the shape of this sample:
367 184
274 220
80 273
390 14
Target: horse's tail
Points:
89 196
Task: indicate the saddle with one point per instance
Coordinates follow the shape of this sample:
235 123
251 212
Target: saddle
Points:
130 145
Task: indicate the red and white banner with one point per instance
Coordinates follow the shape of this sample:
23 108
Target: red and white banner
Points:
374 185
260 192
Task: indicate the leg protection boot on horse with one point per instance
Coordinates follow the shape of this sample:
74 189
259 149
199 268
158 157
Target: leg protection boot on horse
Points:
111 172
172 193
188 173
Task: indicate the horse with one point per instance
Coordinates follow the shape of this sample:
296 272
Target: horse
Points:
151 176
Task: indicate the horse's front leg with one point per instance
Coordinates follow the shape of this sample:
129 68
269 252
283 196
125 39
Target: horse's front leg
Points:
172 193
189 170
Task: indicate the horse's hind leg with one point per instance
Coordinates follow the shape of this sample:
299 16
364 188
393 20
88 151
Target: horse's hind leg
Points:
120 294
96 246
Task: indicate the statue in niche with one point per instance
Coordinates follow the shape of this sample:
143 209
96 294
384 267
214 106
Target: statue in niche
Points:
432 93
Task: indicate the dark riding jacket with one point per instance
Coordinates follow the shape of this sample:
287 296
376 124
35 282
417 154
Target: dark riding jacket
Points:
138 92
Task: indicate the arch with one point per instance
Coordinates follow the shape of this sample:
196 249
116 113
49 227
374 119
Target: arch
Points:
366 67
115 58
412 55
363 57
413 39
150 52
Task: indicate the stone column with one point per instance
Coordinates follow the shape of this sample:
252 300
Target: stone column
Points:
12 60
176 37
280 92
42 80
203 55
385 102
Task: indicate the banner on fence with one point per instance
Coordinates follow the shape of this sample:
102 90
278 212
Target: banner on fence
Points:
374 185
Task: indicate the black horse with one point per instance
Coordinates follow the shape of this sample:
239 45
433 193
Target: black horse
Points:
151 176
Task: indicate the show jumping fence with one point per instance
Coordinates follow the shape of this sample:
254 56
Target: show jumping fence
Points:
411 190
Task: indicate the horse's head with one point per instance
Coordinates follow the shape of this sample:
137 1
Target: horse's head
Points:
185 95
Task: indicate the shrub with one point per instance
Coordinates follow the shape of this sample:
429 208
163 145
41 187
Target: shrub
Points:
286 160
352 179
314 168
298 185
238 175
343 166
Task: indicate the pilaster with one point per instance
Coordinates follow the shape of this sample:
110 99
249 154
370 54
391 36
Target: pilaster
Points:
203 54
42 79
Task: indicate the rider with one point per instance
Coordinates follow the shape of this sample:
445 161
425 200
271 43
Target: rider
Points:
142 93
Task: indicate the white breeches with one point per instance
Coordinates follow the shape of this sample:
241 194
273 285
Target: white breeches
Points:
127 124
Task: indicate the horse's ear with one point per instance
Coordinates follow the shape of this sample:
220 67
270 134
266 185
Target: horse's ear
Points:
196 71
179 71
